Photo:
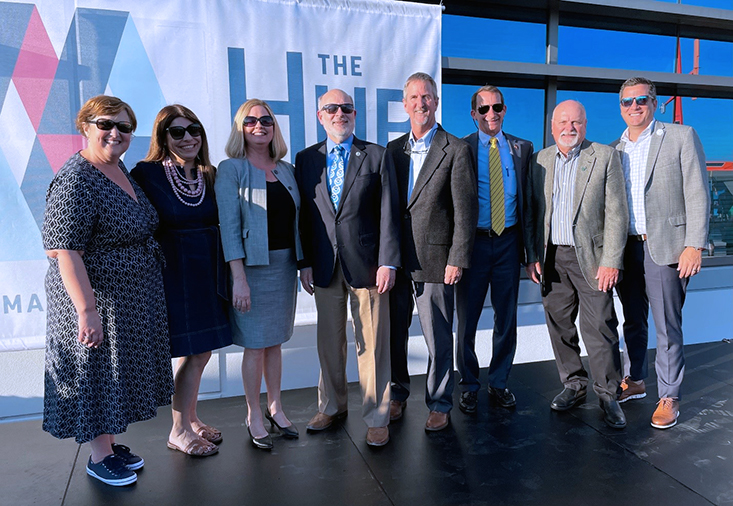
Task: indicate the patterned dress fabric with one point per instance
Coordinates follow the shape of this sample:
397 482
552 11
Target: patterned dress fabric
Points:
195 274
90 392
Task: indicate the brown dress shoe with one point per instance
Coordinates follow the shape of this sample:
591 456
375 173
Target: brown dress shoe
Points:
632 390
437 421
665 416
396 408
323 421
377 436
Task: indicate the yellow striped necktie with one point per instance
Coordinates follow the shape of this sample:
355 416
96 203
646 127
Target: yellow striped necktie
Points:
496 187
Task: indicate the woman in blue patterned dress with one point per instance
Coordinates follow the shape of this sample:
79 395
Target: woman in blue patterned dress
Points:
107 354
178 179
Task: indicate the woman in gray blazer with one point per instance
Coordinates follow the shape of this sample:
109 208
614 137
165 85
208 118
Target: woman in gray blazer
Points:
259 208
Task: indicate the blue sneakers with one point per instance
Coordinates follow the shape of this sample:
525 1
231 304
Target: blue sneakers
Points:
132 461
112 471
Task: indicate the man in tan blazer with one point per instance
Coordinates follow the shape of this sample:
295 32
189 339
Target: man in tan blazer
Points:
575 228
669 206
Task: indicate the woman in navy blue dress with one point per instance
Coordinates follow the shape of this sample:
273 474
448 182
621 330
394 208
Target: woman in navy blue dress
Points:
178 179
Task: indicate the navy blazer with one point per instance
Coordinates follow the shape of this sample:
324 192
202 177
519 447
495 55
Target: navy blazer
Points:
364 232
521 154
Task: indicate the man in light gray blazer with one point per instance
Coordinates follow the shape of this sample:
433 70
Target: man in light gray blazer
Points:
575 228
669 203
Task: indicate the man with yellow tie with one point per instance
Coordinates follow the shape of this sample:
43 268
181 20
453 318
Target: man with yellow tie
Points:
501 162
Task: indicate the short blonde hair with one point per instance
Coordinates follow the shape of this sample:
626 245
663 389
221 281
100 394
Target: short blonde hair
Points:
103 105
237 146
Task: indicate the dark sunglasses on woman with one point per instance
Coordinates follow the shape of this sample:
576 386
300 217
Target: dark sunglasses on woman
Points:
124 127
265 121
178 132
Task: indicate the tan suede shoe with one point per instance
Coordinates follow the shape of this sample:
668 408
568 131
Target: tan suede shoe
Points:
377 436
323 421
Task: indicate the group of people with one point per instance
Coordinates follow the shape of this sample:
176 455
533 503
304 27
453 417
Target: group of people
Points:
176 259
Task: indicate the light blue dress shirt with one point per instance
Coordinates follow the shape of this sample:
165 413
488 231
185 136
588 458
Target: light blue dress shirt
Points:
418 153
484 189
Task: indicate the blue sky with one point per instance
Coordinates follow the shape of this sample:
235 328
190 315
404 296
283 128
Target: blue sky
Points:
525 42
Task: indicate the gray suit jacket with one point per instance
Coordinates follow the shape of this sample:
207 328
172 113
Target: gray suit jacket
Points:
676 195
241 195
439 220
600 211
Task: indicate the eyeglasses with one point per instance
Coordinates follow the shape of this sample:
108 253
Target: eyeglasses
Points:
640 100
124 127
483 109
178 132
265 121
333 108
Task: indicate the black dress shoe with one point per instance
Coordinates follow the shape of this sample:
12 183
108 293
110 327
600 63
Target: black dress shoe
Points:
567 399
289 432
614 415
468 402
503 397
263 443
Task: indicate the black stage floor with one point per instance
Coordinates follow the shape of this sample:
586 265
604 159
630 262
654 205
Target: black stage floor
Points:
528 456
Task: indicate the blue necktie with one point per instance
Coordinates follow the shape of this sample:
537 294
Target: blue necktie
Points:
336 175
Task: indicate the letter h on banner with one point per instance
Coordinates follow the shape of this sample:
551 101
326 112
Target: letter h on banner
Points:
294 108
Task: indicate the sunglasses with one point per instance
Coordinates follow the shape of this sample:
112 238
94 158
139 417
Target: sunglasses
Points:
483 109
333 108
640 100
178 132
265 121
124 127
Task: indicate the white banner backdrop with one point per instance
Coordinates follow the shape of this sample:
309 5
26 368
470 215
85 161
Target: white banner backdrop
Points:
210 55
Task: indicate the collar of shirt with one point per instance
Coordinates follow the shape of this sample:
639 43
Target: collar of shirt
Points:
646 133
485 139
571 154
346 144
330 155
423 143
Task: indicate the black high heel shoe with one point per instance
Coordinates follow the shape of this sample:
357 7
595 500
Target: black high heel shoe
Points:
263 443
289 432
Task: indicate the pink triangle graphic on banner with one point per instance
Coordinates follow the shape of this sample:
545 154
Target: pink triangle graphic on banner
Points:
35 69
58 148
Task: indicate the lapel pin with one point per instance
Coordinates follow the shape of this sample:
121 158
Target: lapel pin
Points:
358 153
659 132
583 168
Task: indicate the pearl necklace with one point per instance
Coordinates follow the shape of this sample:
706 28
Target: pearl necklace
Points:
180 184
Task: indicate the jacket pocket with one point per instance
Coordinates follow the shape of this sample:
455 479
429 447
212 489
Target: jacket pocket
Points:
245 233
598 240
367 239
676 221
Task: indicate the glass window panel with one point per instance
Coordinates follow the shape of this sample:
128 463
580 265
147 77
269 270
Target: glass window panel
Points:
589 47
523 116
493 39
716 4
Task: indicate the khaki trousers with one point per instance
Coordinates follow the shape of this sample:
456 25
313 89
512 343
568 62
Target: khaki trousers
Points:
370 312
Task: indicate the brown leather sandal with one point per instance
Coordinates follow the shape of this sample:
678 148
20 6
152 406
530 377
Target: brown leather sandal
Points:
196 448
210 434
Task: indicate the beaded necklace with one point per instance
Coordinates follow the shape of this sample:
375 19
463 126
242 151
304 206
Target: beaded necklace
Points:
180 184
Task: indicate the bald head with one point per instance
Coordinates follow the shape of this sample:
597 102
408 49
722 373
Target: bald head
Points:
568 125
338 125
